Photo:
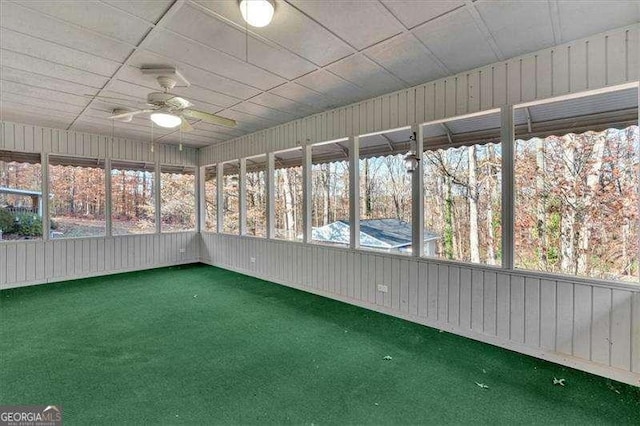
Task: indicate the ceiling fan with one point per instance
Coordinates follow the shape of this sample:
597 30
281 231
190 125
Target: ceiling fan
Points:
168 110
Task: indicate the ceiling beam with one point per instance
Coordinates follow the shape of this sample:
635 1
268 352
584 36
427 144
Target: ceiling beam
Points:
146 39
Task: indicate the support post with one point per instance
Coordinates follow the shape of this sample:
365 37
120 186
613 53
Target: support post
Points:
219 196
242 193
508 189
108 204
46 231
200 197
269 180
354 191
157 192
417 194
306 193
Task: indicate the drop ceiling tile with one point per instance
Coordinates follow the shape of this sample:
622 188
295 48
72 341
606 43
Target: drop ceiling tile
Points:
578 19
50 69
245 119
278 61
333 86
28 118
42 49
37 80
149 10
21 98
283 104
264 112
38 92
360 23
9 105
303 95
196 76
456 41
290 29
406 58
517 27
220 131
412 13
177 48
95 16
366 74
35 24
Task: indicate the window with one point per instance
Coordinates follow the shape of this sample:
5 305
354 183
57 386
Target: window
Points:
330 193
77 197
576 177
288 195
133 209
385 192
231 198
211 198
177 199
20 196
462 189
256 196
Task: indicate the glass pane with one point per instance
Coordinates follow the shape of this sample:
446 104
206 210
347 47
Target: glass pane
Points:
576 178
177 200
133 206
385 193
462 189
77 197
20 196
231 198
256 196
330 193
288 195
210 199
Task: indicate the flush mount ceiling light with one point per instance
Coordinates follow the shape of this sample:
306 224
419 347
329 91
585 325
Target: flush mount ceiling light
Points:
257 13
164 119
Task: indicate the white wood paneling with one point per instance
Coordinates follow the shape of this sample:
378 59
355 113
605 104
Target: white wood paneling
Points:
593 327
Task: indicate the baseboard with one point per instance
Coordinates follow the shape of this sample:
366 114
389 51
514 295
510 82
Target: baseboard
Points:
97 274
556 357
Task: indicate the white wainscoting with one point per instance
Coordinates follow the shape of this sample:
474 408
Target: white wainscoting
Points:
35 262
590 326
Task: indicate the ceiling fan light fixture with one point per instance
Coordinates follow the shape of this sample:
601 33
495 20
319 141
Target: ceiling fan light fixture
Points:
164 119
257 13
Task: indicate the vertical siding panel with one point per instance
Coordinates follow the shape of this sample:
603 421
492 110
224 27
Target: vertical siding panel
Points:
477 301
439 99
601 325
514 81
423 290
450 86
404 285
20 262
564 339
473 92
528 78
465 298
413 287
462 94
578 67
548 314
433 291
490 297
486 88
616 48
517 309
11 264
532 312
3 264
454 295
635 333
582 321
394 284
499 95
621 329
443 293
596 65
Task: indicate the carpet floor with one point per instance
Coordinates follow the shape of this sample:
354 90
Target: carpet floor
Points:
197 344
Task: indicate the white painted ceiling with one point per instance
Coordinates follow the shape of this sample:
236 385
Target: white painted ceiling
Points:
315 55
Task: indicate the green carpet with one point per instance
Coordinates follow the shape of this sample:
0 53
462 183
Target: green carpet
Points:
198 344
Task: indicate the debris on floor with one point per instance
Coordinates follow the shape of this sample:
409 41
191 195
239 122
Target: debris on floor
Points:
387 358
558 382
482 385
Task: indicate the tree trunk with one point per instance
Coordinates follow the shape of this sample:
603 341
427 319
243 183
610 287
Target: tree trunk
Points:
289 223
491 254
541 204
448 220
474 245
567 226
327 194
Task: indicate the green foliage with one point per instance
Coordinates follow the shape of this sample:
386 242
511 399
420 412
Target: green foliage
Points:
6 221
28 225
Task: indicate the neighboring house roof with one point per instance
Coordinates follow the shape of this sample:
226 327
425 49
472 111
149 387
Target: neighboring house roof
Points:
377 233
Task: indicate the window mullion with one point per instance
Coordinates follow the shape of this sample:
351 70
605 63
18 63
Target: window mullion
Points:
508 188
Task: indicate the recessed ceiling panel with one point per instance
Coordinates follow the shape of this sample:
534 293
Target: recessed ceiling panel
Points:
149 10
304 95
324 82
38 92
579 19
412 13
283 104
365 73
360 23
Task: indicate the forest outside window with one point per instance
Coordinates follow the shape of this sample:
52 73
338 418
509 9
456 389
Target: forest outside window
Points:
77 199
177 198
256 196
231 198
385 193
288 195
211 198
133 206
462 189
330 193
21 198
576 180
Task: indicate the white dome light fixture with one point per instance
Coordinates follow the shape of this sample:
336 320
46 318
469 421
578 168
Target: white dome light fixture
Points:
257 13
164 119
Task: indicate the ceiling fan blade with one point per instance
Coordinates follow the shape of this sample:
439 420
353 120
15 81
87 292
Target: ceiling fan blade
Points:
209 118
130 114
186 126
